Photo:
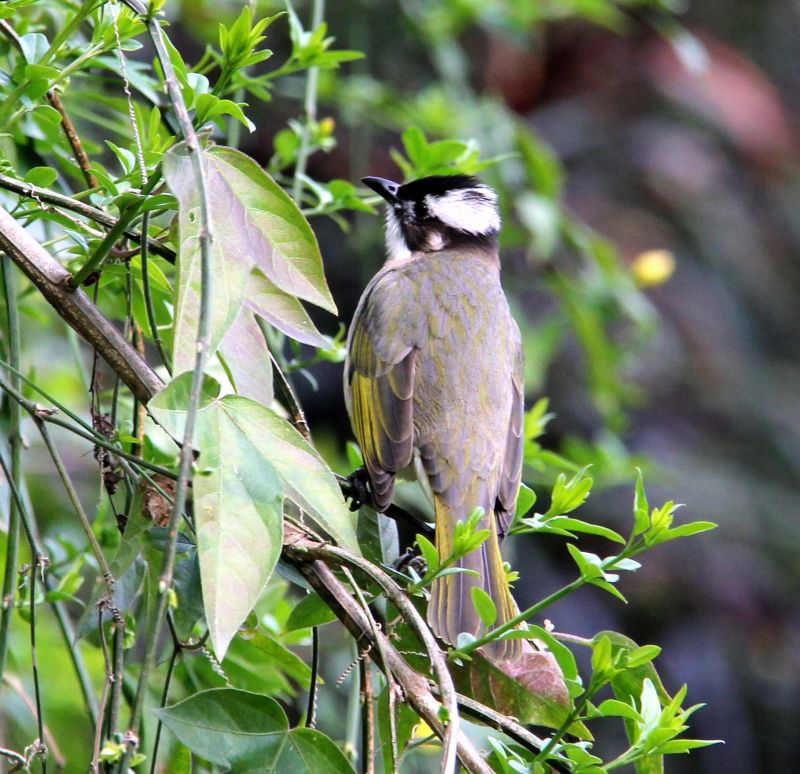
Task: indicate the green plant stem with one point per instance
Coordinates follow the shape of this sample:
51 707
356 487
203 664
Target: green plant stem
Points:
86 525
119 675
38 561
78 664
15 447
203 334
176 651
96 260
73 204
148 296
564 727
608 564
310 106
89 434
98 731
38 564
311 706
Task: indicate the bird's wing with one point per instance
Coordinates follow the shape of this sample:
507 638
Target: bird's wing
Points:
379 380
511 473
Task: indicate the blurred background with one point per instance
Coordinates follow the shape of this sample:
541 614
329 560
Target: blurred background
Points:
648 169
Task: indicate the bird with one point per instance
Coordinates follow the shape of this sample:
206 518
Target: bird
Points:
433 384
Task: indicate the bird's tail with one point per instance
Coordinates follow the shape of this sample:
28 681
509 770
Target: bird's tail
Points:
451 610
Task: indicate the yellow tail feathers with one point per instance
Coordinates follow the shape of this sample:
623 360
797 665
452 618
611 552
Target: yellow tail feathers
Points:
451 610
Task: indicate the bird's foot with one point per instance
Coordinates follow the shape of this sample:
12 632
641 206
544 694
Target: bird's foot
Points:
360 492
411 558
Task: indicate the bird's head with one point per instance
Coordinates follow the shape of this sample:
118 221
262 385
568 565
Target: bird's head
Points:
438 212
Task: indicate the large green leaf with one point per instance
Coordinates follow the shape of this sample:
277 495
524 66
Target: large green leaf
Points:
229 267
250 460
273 229
282 310
249 732
254 224
246 357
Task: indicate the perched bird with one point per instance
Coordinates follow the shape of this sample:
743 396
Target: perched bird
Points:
434 385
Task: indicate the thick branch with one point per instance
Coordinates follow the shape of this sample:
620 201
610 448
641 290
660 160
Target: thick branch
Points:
74 306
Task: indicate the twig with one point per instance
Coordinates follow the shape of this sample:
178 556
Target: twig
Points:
38 564
176 651
40 194
311 706
119 675
412 615
73 139
186 455
76 504
53 281
15 444
148 295
367 718
52 745
109 678
289 397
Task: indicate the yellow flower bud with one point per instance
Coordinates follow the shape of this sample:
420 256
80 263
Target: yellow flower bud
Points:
652 267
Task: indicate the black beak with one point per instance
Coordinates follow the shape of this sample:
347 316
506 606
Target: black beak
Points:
385 188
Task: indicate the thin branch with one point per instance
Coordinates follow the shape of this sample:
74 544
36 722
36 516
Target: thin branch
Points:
38 564
311 706
148 296
53 281
176 651
94 766
367 717
76 504
73 139
40 195
15 447
15 684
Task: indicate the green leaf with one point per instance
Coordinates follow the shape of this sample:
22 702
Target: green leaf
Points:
270 226
429 553
531 689
685 530
247 359
250 460
484 606
310 611
282 310
525 500
249 732
641 508
254 223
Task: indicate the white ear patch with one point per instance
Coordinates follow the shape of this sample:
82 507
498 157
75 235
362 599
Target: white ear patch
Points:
471 210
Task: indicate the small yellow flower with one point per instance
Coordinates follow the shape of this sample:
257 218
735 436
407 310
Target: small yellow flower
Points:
652 267
326 126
